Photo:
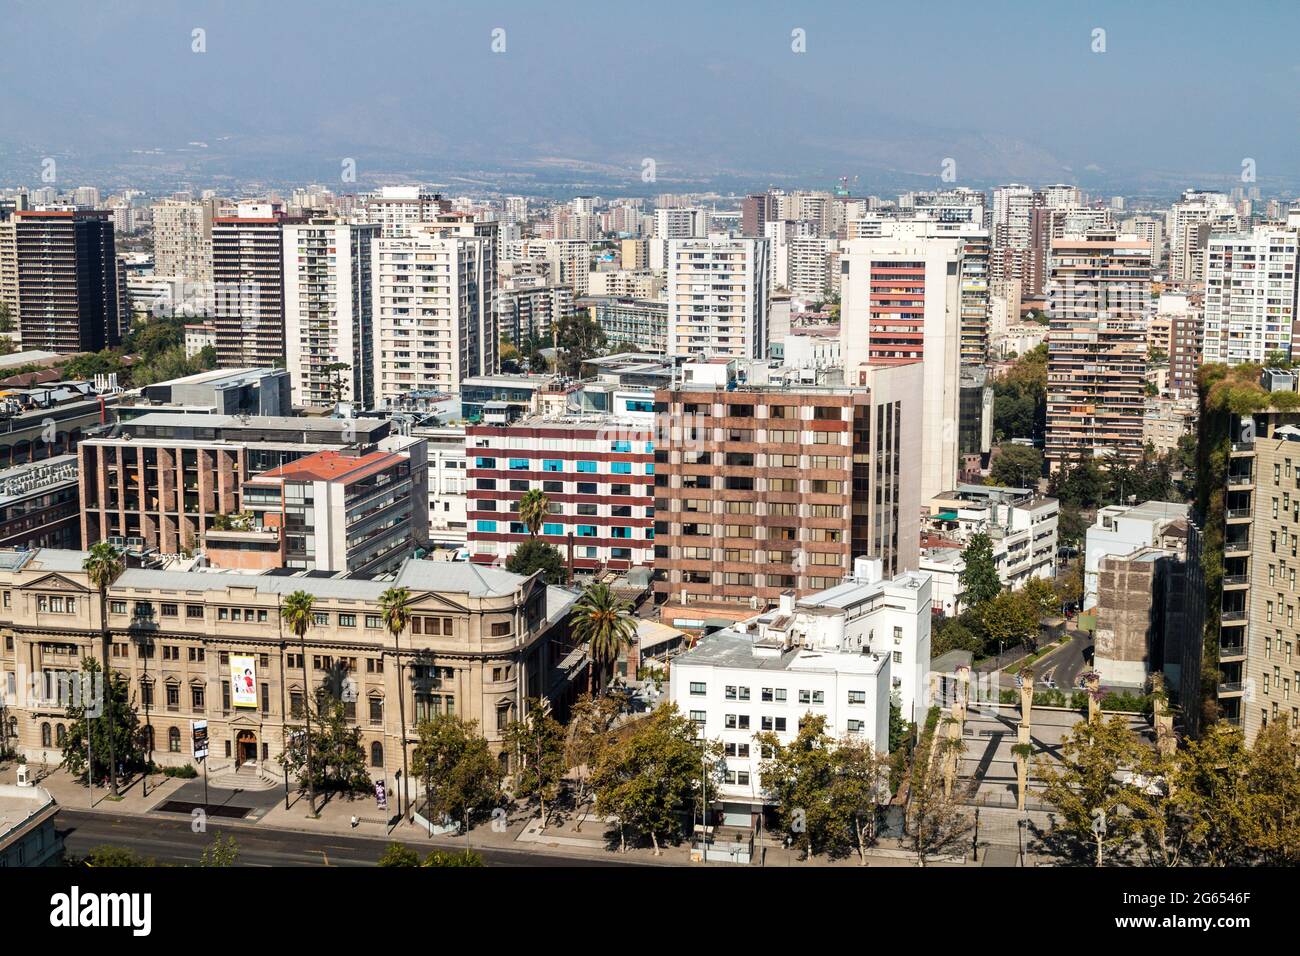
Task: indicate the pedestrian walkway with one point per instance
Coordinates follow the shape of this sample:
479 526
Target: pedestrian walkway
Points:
567 833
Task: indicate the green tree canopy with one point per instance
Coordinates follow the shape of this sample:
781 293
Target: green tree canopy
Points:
979 577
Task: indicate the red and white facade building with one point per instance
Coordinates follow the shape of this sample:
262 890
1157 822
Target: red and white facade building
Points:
597 472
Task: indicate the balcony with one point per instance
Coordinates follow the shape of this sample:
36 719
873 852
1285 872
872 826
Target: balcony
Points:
1241 481
1243 448
1239 547
1231 687
1238 514
1230 616
1231 650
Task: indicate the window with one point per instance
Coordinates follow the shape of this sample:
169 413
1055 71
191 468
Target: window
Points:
347 620
193 611
587 467
174 740
198 696
373 621
698 690
117 607
376 710
376 754
857 697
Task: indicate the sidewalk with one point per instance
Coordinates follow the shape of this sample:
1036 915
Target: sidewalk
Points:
567 834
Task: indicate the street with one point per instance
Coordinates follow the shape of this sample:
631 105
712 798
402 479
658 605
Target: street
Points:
170 840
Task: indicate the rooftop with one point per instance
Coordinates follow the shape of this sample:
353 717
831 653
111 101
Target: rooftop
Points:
731 649
332 465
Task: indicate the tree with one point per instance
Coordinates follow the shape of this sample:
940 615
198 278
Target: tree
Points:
653 776
461 777
799 777
538 744
577 338
532 556
600 619
399 854
1016 465
1096 810
591 730
103 565
859 788
1273 796
534 507
110 723
395 611
329 755
1020 397
935 821
979 577
1069 583
107 856
1010 618
296 612
1041 595
6 319
1080 484
93 363
220 852
950 634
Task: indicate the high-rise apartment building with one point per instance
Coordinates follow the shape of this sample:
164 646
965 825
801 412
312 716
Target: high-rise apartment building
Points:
182 238
1192 220
398 209
719 297
1098 297
59 277
1011 232
901 302
675 223
1259 638
1250 295
435 308
329 312
765 489
248 280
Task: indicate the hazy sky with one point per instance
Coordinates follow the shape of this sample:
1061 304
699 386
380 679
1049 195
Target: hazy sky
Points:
1007 89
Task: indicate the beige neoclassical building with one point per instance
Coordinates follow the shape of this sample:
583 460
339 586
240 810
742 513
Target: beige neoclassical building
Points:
211 645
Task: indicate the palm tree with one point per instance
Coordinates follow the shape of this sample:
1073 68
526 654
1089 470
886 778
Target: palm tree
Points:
296 611
102 566
601 620
534 506
395 608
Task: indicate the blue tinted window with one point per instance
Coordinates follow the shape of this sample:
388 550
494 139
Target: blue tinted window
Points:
555 529
552 464
620 468
587 467
487 525
586 531
518 464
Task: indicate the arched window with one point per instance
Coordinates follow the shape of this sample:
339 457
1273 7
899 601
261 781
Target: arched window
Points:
45 735
61 735
147 737
174 740
377 754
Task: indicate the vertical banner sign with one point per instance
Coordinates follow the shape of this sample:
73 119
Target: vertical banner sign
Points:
243 680
199 730
381 795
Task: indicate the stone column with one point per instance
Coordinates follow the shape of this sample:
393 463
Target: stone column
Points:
1092 681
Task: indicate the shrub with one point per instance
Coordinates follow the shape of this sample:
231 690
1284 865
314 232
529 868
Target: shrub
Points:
186 772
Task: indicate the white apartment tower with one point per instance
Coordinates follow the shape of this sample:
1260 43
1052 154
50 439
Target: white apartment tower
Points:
329 312
719 297
435 308
1191 222
1250 295
673 223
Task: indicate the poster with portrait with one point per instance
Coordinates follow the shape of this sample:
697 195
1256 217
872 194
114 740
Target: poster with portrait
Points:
243 680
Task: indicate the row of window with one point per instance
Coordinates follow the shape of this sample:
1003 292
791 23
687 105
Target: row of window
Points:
774 695
581 466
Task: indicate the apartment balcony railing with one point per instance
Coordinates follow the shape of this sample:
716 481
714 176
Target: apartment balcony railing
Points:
1234 615
1239 480
1234 720
1238 512
1231 687
1243 446
1230 580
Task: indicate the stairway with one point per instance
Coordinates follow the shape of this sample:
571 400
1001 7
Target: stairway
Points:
246 777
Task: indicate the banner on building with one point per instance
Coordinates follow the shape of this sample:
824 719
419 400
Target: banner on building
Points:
199 730
243 681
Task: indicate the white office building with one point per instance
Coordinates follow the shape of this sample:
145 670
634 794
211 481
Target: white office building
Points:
841 653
